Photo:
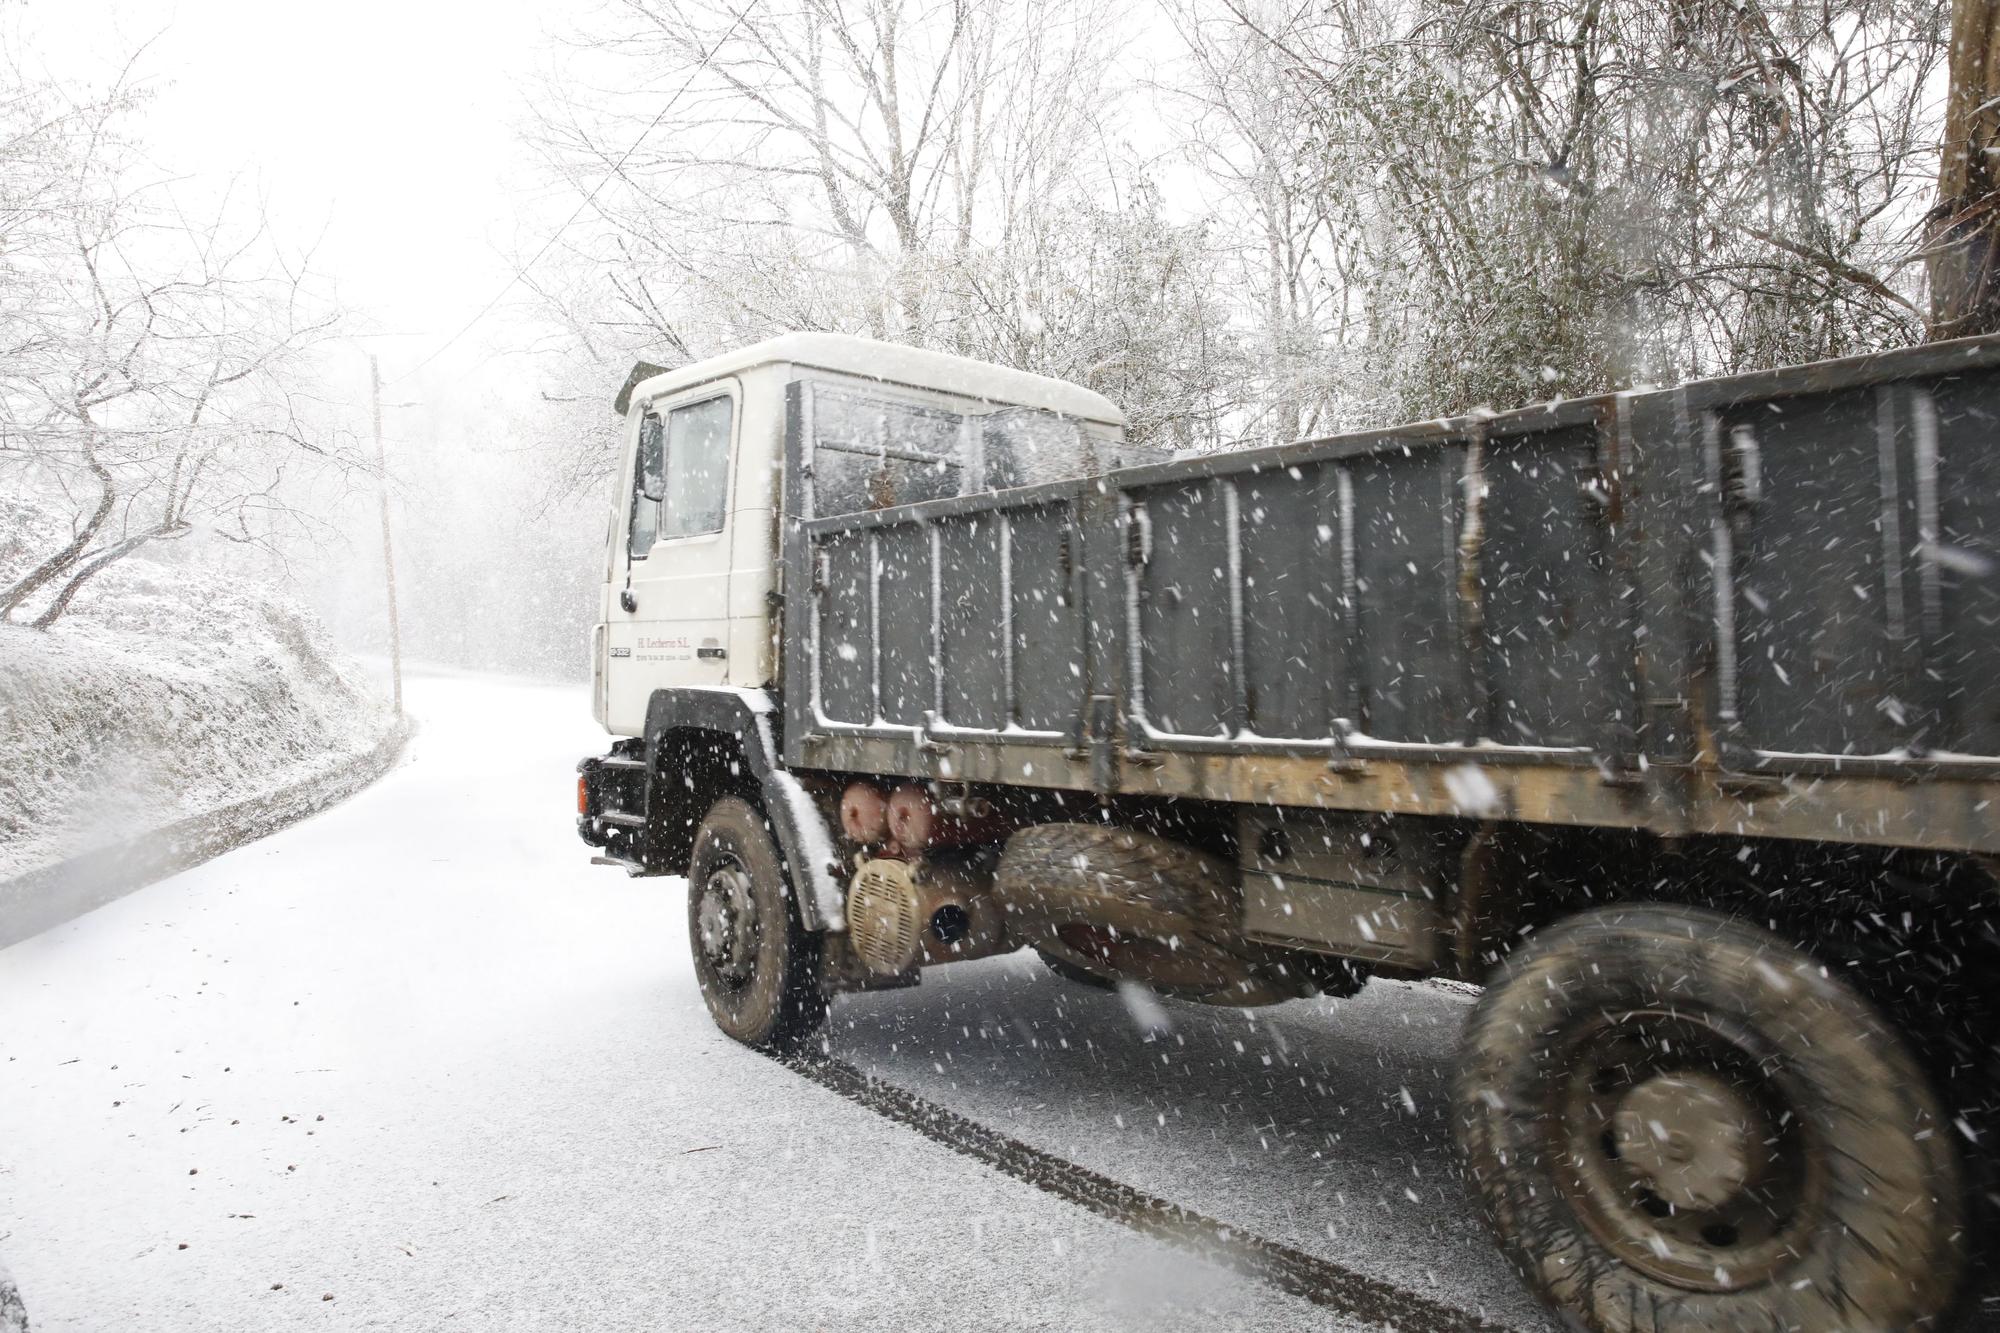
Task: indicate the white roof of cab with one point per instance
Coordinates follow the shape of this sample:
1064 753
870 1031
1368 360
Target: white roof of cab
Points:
893 363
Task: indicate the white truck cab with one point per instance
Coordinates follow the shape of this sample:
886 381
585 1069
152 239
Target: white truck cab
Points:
691 590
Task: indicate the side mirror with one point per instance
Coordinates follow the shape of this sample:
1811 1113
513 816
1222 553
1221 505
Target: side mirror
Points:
652 471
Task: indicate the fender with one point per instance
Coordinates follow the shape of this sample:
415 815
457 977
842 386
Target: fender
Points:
804 840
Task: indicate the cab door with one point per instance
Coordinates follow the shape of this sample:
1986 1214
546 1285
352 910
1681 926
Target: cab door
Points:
667 621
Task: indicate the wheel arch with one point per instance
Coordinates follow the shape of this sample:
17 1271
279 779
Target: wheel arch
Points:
722 742
1515 880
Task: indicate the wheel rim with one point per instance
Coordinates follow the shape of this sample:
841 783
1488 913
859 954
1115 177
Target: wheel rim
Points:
727 927
1685 1153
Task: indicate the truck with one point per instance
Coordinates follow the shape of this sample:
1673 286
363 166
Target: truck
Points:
1670 719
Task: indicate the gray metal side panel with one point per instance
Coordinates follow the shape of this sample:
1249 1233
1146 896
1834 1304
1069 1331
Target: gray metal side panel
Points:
1298 660
903 660
1959 635
1552 648
1045 620
1796 572
972 623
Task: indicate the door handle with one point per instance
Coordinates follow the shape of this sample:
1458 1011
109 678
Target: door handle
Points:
627 600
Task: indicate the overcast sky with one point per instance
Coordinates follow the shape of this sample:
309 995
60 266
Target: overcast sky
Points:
388 124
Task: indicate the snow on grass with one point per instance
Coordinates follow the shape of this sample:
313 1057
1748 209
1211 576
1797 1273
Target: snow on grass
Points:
166 692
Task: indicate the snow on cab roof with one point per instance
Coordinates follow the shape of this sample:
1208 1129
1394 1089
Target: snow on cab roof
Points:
890 363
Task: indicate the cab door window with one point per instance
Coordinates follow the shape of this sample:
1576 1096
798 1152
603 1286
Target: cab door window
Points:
697 469
680 485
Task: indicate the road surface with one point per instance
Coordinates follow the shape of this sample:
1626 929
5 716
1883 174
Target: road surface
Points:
415 1064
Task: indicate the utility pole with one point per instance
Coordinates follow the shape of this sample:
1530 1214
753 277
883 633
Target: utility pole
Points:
388 559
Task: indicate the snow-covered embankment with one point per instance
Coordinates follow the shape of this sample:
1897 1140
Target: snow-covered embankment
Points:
170 714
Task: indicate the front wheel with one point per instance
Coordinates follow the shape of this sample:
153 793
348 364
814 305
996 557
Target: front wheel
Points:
1679 1121
758 968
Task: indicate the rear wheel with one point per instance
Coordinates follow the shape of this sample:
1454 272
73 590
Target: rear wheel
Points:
1677 1121
758 968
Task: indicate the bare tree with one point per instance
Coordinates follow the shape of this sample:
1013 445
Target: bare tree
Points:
1406 207
939 172
1278 202
815 164
155 357
1583 196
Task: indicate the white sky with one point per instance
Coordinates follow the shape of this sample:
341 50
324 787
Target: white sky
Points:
386 129
388 124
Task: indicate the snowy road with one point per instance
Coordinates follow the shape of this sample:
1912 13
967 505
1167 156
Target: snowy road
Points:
415 1064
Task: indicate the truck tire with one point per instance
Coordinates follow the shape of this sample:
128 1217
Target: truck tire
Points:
1679 1121
758 968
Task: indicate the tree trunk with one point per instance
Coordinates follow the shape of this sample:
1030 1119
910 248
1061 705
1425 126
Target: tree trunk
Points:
1965 224
60 563
55 609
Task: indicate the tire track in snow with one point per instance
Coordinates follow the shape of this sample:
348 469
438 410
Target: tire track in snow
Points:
1321 1281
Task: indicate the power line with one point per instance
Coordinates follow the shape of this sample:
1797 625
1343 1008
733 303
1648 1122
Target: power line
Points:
588 199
